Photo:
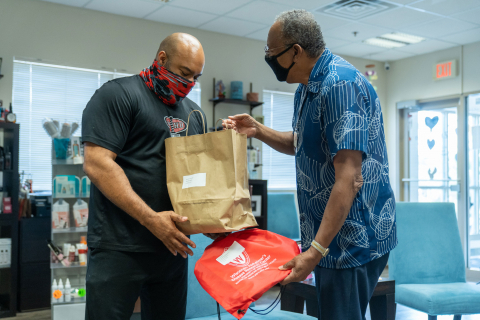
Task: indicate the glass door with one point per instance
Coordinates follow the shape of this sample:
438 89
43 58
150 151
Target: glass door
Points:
430 174
473 181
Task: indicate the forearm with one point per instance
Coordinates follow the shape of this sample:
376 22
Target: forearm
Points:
336 212
111 180
280 141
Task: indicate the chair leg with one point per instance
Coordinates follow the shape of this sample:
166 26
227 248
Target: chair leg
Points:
432 317
457 317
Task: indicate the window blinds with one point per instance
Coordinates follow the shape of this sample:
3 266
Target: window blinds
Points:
58 92
278 168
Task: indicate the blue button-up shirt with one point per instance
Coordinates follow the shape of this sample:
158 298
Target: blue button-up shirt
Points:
339 109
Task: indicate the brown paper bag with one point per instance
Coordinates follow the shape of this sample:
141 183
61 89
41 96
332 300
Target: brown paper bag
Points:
207 180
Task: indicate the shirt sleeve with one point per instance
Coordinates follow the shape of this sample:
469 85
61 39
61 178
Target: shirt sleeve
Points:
107 117
346 118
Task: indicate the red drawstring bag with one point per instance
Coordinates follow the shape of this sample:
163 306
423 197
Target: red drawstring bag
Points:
238 269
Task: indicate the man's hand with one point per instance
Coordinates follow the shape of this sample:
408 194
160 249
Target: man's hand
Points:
301 266
162 225
242 123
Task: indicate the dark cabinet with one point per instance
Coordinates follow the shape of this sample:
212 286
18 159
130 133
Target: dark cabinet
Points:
34 264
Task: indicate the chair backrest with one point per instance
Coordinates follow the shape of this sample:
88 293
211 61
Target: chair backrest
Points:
282 215
199 302
429 248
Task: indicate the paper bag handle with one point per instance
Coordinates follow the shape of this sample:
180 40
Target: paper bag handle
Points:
188 120
217 122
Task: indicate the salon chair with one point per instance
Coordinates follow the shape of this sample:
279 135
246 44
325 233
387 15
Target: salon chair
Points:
282 215
428 264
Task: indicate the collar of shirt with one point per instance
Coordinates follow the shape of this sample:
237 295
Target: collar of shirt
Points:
320 68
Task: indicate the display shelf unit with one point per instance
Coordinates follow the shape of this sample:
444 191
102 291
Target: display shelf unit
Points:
71 230
65 162
75 299
61 266
75 272
216 101
9 222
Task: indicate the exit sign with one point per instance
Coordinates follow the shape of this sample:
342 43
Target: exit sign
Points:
445 70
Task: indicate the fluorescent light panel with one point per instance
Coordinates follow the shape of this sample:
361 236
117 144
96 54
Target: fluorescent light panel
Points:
393 40
402 37
385 43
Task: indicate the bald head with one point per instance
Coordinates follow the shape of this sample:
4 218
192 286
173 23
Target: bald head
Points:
183 54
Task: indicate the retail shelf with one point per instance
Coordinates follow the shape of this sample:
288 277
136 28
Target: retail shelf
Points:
65 162
74 301
252 104
70 230
82 196
5 266
61 266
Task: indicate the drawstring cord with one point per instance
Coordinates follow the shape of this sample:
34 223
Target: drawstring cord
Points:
263 312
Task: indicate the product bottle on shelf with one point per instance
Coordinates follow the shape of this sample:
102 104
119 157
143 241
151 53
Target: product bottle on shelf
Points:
54 287
68 290
71 254
80 212
62 289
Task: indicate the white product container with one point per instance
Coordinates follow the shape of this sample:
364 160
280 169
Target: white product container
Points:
5 251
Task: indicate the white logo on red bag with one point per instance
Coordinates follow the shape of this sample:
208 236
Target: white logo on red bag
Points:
235 255
241 260
175 125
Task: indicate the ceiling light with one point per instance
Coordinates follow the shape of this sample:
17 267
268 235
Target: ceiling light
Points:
385 43
402 37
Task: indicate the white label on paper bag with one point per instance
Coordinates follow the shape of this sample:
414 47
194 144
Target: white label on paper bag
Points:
234 254
195 180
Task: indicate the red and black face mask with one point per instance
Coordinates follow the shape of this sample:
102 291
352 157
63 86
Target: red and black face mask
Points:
168 86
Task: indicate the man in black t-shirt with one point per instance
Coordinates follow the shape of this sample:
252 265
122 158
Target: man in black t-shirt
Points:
135 248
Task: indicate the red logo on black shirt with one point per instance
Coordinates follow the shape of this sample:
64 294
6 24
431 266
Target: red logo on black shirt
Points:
175 125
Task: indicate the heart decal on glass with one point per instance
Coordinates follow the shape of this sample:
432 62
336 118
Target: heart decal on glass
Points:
431 144
431 122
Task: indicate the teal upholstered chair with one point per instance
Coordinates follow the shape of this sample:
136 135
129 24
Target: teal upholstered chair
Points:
200 306
428 264
282 215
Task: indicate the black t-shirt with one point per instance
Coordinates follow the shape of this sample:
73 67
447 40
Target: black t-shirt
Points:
124 116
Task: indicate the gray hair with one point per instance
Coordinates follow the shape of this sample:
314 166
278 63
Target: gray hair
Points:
300 27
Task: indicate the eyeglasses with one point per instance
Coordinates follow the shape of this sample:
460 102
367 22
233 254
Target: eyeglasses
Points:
267 49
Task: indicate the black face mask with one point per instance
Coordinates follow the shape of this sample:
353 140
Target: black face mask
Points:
280 72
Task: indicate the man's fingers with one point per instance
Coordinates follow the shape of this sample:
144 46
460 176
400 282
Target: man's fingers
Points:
238 116
175 217
184 239
287 280
181 248
287 266
171 248
292 277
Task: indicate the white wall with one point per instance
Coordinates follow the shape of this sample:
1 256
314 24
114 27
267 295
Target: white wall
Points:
411 79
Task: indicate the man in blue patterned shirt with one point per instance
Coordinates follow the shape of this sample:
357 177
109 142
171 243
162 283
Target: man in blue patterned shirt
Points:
347 206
